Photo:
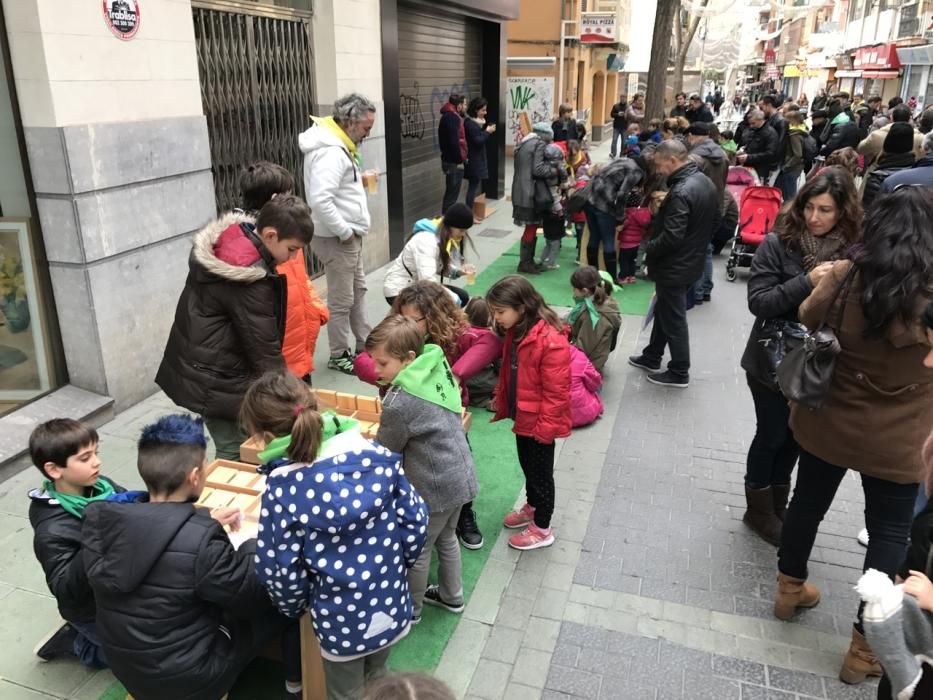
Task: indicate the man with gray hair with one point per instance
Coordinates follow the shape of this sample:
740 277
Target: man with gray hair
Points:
335 193
674 256
921 174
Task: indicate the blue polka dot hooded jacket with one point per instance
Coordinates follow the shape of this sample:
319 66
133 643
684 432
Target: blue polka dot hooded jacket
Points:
338 536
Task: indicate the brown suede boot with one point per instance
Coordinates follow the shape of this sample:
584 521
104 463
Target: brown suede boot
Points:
860 661
793 593
759 515
780 493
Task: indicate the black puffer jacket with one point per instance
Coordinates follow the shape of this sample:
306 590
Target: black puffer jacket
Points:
168 585
57 543
714 164
684 227
763 148
229 324
839 136
888 164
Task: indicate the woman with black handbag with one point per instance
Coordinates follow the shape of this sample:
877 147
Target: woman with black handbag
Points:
878 409
818 228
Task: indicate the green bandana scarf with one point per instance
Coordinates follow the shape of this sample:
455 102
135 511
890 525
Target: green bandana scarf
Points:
333 425
583 304
101 490
429 377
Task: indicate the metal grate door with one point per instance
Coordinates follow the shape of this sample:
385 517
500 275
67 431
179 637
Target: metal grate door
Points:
255 67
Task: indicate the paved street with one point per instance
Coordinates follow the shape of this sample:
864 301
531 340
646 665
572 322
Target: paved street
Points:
654 588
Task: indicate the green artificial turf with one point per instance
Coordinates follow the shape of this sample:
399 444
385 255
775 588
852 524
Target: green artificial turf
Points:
554 285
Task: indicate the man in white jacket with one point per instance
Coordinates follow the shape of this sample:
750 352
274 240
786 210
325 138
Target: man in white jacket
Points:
335 193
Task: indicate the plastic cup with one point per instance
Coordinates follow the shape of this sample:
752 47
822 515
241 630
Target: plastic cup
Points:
470 279
371 180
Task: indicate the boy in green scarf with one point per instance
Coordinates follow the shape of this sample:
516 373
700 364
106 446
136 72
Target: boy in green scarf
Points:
421 419
65 452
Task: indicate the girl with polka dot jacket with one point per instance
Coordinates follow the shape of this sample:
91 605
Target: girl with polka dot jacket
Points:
339 527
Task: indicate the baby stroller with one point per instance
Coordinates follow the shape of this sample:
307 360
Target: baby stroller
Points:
758 209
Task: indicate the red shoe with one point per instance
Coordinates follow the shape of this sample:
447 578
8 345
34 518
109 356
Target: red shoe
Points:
520 518
532 537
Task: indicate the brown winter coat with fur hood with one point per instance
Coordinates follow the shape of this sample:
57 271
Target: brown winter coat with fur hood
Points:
228 325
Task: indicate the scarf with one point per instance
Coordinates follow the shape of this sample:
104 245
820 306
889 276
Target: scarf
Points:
429 377
820 249
333 425
101 490
333 127
583 304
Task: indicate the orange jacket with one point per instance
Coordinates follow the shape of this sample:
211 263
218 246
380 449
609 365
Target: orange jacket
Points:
305 313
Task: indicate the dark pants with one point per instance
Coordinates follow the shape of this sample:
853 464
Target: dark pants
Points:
346 680
924 688
602 230
578 229
773 452
889 509
670 329
787 183
454 176
537 462
627 266
617 135
473 187
87 645
227 437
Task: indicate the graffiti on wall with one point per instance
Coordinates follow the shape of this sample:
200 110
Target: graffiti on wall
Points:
411 116
530 100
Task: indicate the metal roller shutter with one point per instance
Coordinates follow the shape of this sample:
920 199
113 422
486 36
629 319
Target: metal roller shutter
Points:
438 54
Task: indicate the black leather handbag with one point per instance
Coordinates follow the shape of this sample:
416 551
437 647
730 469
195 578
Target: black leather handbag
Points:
771 340
806 373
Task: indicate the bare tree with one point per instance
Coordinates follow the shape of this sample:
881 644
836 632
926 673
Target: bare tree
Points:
683 37
660 58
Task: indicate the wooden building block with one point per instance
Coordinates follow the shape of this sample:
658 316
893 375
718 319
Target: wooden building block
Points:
249 450
346 401
326 398
370 404
313 685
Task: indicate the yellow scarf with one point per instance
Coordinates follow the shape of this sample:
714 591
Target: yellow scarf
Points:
332 126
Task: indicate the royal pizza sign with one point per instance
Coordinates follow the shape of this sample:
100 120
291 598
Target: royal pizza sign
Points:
122 17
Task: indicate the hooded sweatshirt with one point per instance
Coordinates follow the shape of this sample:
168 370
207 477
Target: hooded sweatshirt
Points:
451 136
333 183
420 259
338 536
421 418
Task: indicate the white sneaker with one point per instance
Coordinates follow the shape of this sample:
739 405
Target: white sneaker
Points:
862 537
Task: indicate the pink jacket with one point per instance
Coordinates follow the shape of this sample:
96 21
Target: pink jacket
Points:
476 348
585 404
635 227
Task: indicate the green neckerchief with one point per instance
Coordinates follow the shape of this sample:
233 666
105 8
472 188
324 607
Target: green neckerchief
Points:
333 425
429 377
608 278
583 303
75 505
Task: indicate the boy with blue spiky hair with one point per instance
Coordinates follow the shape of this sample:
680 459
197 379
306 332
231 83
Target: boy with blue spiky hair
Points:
180 610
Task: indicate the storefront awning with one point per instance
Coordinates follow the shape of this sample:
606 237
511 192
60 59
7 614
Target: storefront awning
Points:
880 58
916 55
848 74
791 71
880 74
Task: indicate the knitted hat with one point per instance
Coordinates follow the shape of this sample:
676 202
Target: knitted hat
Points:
458 216
543 129
900 138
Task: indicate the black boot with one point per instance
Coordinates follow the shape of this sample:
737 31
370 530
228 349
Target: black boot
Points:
780 494
610 260
467 530
526 259
57 643
592 257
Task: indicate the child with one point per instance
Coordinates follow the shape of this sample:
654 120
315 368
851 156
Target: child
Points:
634 229
655 200
468 351
230 317
631 140
421 419
180 611
533 390
728 144
654 131
578 217
305 311
65 453
555 158
585 382
482 385
339 526
595 318
409 686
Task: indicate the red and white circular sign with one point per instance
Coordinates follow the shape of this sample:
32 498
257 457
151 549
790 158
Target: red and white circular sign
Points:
122 16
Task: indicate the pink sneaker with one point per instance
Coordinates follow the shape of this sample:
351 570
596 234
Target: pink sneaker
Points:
519 518
532 537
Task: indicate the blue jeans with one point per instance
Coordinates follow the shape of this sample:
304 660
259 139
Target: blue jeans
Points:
602 229
473 186
617 135
704 285
787 183
87 646
454 181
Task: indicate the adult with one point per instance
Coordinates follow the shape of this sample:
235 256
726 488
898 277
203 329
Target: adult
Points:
879 407
334 190
697 111
771 108
867 116
803 103
718 99
762 145
713 162
821 224
793 163
925 122
840 132
819 102
818 122
451 137
680 107
477 133
921 174
434 249
896 155
619 123
605 207
529 174
635 114
565 126
872 145
674 257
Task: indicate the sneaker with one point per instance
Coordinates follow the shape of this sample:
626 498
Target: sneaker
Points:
631 280
519 518
57 643
707 297
642 362
342 363
862 537
432 596
415 620
576 260
698 301
532 537
668 378
552 266
467 530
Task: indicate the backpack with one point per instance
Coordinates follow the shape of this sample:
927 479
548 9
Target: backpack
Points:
810 149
